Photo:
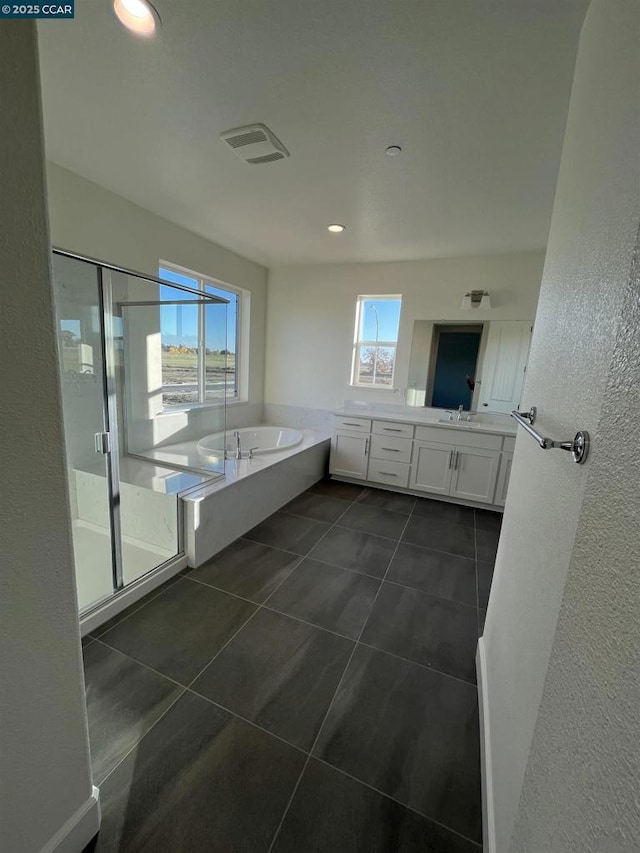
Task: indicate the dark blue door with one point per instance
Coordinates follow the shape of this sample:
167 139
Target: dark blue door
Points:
455 363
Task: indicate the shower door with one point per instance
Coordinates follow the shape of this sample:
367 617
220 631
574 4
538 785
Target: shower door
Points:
93 491
114 343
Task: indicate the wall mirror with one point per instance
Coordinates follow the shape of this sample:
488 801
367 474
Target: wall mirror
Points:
479 366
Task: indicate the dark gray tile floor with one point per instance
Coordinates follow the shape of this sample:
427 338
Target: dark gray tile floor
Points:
311 688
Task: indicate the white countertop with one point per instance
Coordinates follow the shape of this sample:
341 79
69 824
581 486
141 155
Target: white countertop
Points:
421 418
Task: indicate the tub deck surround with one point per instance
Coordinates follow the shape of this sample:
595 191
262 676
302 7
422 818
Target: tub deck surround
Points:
414 451
186 455
221 510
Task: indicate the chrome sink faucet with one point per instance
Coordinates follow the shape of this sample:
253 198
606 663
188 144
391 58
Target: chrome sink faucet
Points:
236 435
460 410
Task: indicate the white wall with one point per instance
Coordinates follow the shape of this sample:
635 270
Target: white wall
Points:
90 220
45 778
311 317
586 276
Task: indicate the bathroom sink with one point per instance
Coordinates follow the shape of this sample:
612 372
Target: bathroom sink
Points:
455 423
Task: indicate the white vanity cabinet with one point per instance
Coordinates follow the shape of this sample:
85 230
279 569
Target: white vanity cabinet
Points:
462 472
431 469
350 454
457 463
505 472
474 474
390 453
465 467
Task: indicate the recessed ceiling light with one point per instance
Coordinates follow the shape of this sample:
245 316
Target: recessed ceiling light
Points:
139 16
335 228
393 150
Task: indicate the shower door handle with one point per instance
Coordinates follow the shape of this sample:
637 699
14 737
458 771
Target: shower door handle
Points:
102 443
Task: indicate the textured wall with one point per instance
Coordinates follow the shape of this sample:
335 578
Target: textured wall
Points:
581 785
586 274
45 776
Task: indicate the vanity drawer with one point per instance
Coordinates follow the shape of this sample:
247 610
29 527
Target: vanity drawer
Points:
391 473
393 428
460 436
509 443
353 424
391 448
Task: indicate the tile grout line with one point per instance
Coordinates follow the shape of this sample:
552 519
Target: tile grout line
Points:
357 530
475 545
188 688
398 802
160 590
333 698
184 689
417 663
151 727
301 558
283 740
140 663
254 724
246 720
303 622
343 569
260 606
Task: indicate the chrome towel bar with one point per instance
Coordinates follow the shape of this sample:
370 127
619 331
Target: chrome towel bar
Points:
579 446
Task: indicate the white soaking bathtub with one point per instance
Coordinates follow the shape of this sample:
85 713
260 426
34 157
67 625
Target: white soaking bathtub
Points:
260 439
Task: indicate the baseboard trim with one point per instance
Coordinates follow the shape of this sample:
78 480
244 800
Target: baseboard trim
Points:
78 831
488 817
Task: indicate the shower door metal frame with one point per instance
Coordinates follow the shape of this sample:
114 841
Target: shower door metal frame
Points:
110 416
105 290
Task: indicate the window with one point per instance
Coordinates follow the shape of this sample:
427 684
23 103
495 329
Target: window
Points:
375 341
200 342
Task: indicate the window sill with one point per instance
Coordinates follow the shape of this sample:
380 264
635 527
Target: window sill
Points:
391 390
195 407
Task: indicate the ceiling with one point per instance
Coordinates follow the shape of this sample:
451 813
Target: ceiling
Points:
475 92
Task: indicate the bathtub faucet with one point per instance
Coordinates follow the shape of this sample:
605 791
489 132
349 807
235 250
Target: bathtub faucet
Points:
236 435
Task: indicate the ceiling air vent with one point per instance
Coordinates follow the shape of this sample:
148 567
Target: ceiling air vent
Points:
255 144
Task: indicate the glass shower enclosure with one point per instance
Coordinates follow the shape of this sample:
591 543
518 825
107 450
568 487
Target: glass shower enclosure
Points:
122 366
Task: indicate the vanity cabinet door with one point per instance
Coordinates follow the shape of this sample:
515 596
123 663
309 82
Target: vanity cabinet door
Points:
432 467
349 455
503 479
474 474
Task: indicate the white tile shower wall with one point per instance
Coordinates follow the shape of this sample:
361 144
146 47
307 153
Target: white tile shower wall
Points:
83 415
144 515
171 427
299 417
244 415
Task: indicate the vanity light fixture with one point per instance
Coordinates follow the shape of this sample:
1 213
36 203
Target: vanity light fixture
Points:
139 16
476 299
336 228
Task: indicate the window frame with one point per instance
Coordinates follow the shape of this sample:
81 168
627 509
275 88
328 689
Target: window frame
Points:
242 304
359 343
